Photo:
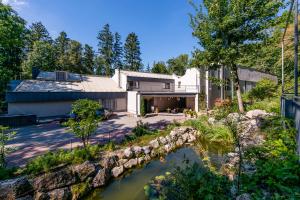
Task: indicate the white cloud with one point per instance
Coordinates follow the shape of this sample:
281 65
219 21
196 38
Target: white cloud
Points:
16 4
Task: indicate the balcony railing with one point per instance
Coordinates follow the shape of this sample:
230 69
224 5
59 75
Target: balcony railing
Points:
159 88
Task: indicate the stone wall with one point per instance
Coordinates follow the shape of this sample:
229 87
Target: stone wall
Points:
71 182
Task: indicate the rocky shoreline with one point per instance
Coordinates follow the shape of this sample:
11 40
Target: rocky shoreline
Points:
74 181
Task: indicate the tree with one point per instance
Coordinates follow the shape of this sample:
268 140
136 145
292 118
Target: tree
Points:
62 46
179 64
37 32
100 66
105 48
88 60
228 29
132 53
5 135
42 56
12 37
86 120
75 57
118 52
159 67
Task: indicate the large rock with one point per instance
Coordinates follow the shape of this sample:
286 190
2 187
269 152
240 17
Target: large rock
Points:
131 163
169 139
163 140
84 170
147 158
244 196
137 150
185 137
54 180
122 161
101 178
179 142
28 197
252 114
15 188
120 154
60 194
154 144
141 160
128 153
146 149
108 161
41 196
233 118
191 137
117 171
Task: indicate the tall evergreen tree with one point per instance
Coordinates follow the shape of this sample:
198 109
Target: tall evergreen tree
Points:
75 57
37 32
105 48
62 46
88 60
118 52
132 53
160 68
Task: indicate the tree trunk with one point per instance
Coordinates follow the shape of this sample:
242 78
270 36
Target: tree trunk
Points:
238 89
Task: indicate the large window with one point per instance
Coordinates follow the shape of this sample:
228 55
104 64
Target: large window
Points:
133 84
167 85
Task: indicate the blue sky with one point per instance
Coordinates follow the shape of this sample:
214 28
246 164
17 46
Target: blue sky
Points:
162 25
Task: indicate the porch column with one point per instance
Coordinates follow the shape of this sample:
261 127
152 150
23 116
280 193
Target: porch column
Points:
207 89
197 102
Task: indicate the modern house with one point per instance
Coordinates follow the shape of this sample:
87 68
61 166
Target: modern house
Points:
52 93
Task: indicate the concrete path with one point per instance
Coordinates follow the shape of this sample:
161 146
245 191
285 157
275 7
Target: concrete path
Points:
32 141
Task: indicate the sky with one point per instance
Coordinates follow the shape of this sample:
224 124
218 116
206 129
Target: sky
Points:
162 26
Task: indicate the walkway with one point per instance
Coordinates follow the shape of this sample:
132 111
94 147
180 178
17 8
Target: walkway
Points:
35 140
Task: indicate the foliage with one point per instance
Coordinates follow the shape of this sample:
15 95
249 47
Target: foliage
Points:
223 108
5 135
75 57
265 88
132 53
62 46
141 129
178 65
228 29
159 67
37 33
277 167
7 173
195 182
88 59
269 105
118 52
86 120
143 107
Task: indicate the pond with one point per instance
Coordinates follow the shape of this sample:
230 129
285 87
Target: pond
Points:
131 185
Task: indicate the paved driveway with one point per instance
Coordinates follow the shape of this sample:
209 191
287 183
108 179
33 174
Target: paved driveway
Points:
35 140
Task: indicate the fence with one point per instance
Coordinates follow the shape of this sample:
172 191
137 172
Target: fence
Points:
290 108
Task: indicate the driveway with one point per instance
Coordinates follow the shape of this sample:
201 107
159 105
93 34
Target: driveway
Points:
32 141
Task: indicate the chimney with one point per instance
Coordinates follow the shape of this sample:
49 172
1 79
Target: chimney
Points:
119 77
61 76
35 72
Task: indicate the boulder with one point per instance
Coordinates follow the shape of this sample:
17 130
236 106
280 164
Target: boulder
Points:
233 118
131 163
117 171
54 180
128 153
169 139
153 153
108 161
147 158
154 144
15 188
168 148
122 161
211 121
163 140
137 150
191 137
141 160
244 196
28 197
252 114
120 154
60 194
41 196
84 170
185 137
146 149
179 142
101 178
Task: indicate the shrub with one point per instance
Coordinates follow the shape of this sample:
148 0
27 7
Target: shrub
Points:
270 105
265 88
143 108
223 108
5 135
6 173
141 129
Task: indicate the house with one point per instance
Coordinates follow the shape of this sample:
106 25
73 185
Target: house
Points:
52 93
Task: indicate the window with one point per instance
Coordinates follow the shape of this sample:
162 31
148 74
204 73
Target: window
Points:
167 86
179 84
133 84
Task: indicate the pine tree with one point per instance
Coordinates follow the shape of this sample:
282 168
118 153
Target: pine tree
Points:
105 48
37 32
118 52
75 57
159 67
88 61
132 53
62 46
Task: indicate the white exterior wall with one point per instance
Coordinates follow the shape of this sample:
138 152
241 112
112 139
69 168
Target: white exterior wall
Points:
190 81
132 102
122 79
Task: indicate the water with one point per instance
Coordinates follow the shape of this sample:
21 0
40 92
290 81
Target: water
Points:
131 185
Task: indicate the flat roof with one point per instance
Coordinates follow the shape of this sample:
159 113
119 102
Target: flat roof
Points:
147 74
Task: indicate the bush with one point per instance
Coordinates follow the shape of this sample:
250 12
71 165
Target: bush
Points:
141 129
223 108
265 88
6 173
270 105
143 108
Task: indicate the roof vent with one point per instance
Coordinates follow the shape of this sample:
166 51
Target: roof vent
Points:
61 76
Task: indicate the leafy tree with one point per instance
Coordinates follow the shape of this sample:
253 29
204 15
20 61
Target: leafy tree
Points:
38 32
88 59
265 88
100 66
62 46
179 64
159 67
43 56
86 121
5 135
132 53
118 52
75 57
105 48
12 36
228 29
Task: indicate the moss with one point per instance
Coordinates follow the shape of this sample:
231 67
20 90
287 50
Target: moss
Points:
80 190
